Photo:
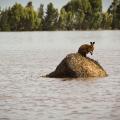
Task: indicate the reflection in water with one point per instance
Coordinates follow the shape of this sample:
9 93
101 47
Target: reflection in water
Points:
24 95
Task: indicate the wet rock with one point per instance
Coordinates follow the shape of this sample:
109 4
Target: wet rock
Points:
75 65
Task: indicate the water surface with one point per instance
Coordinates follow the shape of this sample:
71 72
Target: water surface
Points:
24 95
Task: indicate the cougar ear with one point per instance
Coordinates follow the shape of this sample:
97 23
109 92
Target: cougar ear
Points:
93 43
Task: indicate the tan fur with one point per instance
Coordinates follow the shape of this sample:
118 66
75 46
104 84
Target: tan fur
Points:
86 48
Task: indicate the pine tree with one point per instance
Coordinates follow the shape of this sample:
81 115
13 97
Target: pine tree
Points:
41 16
51 18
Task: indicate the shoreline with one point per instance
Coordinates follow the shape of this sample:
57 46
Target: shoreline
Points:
64 31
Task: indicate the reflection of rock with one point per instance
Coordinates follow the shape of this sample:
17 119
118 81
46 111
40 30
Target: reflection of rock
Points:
75 65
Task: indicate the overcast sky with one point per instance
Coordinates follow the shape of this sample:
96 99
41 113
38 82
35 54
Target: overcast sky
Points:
58 3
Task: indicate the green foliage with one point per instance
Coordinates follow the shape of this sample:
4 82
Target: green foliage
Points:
114 9
29 5
16 14
118 16
51 18
78 20
96 21
77 5
62 22
70 21
31 21
4 21
41 16
96 5
77 12
19 18
75 15
106 21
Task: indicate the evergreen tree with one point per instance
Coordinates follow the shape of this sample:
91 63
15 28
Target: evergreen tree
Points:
41 16
51 18
75 15
80 10
19 18
106 21
4 21
118 16
96 5
31 21
114 9
79 18
70 21
62 22
15 17
29 4
96 16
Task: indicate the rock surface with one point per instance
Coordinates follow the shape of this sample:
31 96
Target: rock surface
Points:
75 65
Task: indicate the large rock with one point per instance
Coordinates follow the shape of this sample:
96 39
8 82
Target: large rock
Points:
75 65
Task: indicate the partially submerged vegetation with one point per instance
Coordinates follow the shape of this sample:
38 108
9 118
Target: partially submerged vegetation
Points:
75 15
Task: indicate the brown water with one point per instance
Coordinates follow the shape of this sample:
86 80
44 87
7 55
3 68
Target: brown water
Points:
24 95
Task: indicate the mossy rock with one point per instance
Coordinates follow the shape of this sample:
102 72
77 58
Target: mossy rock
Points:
75 65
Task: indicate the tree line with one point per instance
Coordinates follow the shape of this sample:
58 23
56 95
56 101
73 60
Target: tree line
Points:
75 15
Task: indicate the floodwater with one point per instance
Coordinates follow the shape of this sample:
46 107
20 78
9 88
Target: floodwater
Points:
25 95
